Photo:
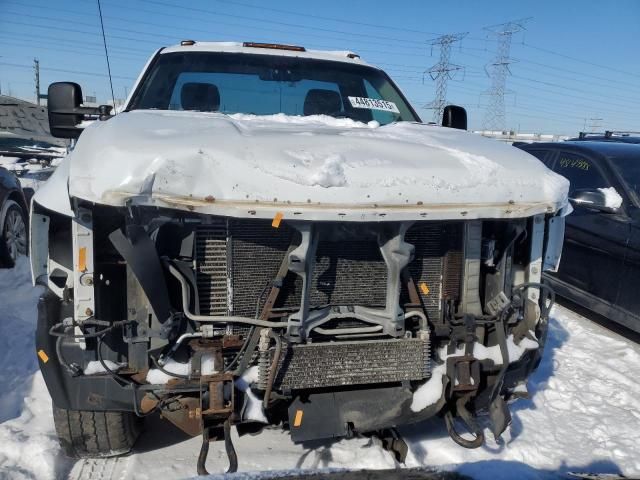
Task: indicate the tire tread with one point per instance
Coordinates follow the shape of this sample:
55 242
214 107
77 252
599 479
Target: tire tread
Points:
85 434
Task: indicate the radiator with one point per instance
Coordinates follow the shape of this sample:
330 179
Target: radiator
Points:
237 260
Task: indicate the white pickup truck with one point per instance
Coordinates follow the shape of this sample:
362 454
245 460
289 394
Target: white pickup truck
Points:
270 235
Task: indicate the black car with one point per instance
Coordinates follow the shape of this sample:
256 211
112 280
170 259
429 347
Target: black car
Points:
13 219
600 266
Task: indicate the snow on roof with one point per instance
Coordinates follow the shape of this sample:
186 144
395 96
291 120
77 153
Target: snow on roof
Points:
239 47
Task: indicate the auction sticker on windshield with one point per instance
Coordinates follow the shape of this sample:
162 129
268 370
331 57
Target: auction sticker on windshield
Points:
373 104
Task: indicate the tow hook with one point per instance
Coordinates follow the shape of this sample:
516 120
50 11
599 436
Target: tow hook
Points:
469 422
217 406
464 373
210 434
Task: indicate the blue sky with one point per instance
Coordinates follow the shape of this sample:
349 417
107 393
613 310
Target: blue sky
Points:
576 61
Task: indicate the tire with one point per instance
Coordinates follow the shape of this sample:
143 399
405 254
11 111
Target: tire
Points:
13 234
84 434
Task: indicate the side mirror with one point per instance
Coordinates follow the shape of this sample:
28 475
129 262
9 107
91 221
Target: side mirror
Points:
454 116
65 110
594 200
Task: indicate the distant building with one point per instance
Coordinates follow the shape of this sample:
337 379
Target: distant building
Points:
22 119
511 136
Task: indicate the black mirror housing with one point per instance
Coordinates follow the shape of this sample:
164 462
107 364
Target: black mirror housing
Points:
63 99
593 200
454 116
65 110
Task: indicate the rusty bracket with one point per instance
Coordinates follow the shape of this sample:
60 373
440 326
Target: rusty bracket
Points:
217 386
464 373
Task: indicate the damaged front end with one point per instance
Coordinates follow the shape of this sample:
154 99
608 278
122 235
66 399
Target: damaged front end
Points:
330 329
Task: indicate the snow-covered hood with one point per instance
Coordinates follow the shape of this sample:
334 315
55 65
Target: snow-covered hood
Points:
307 168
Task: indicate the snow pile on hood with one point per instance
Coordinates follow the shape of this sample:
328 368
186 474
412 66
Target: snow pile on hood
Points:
323 120
314 167
612 198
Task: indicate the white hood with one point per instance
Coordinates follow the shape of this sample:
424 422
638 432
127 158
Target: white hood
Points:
316 167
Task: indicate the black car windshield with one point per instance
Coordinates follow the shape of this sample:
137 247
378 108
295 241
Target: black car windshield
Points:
269 84
629 168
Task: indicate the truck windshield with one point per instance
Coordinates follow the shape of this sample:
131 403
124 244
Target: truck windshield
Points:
269 84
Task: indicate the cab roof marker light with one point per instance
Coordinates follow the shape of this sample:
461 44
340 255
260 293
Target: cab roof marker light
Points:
274 46
187 43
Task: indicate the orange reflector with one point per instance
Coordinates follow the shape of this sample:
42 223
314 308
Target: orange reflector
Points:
43 356
277 219
82 259
297 421
424 288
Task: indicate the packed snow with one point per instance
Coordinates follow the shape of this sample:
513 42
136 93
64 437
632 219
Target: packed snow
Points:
158 377
612 198
315 167
583 415
253 409
96 368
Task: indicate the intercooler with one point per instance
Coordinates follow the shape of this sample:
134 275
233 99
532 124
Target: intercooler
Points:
237 261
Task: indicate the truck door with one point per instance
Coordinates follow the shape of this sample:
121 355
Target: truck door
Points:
629 296
595 242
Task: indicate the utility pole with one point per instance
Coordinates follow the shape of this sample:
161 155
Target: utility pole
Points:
498 70
36 69
442 72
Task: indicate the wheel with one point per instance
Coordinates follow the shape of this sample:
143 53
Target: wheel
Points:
13 234
96 434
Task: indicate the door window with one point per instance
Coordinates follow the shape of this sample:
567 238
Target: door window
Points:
581 171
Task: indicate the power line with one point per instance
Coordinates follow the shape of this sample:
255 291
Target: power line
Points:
575 59
188 33
572 88
61 70
332 19
442 72
273 22
30 44
173 38
556 68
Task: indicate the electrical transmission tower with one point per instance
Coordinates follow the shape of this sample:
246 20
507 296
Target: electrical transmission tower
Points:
498 70
442 72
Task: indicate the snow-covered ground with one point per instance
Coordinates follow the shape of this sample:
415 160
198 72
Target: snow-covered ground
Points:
584 415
